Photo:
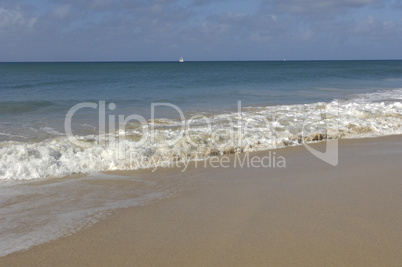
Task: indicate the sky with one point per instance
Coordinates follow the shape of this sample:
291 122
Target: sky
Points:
165 30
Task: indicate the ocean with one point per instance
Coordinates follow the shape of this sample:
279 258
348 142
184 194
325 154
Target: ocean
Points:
80 120
36 97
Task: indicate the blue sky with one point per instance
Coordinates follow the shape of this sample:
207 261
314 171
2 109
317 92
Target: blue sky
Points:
164 30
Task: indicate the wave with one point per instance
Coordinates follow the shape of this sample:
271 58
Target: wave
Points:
252 129
12 107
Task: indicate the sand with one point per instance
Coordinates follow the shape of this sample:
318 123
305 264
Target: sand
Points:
307 214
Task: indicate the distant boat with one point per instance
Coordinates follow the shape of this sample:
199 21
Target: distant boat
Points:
181 59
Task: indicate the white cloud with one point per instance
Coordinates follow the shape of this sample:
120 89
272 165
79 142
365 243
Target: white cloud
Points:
15 17
154 29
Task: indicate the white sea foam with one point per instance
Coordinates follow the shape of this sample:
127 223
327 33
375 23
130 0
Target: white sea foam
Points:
51 131
257 128
383 95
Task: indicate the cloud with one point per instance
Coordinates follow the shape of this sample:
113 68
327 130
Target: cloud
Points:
13 18
376 30
321 8
96 5
205 29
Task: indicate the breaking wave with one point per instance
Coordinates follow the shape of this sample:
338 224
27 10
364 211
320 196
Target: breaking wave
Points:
251 129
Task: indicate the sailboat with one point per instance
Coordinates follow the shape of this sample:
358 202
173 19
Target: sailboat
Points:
181 59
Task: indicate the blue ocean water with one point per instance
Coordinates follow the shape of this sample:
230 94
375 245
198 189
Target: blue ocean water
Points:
277 100
35 97
282 104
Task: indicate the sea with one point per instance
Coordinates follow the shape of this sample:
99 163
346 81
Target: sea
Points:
66 128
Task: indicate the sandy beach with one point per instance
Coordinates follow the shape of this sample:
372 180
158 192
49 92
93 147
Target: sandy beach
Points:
307 214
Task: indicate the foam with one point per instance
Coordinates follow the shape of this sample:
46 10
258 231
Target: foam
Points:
51 131
256 128
34 213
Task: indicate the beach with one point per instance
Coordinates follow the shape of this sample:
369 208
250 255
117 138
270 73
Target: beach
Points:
308 213
200 133
200 163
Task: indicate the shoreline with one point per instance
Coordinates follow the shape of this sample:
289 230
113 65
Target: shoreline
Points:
307 213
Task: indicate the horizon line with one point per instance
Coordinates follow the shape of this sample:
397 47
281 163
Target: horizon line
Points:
194 61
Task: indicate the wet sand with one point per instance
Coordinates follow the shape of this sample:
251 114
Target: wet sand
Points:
309 213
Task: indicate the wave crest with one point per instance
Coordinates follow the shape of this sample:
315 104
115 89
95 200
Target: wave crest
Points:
257 128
